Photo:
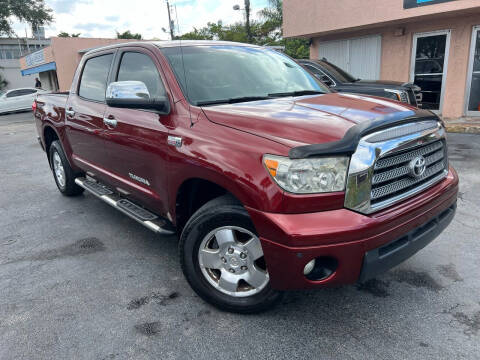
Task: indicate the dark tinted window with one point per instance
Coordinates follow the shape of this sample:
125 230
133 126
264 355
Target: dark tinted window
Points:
140 67
28 91
319 74
13 93
94 77
339 74
20 92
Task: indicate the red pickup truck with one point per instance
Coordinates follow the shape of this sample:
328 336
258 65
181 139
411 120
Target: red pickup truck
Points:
272 181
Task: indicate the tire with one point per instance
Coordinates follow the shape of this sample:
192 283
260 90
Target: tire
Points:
62 172
222 229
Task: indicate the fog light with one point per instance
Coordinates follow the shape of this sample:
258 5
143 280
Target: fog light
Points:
309 267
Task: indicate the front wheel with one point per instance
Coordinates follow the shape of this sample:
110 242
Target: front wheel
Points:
222 258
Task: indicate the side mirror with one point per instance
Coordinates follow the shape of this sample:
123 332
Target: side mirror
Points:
134 95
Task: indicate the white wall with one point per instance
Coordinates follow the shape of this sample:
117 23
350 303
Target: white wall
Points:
10 69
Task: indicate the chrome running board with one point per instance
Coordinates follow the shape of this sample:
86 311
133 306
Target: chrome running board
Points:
146 218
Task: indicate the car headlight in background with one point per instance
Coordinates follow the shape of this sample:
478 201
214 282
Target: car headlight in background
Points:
398 95
308 176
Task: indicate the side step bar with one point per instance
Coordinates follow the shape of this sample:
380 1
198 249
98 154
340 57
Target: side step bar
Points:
143 216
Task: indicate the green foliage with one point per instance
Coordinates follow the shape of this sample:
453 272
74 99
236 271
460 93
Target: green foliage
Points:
128 35
268 31
65 34
33 12
297 48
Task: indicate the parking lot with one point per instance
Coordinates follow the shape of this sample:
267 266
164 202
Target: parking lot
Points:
79 280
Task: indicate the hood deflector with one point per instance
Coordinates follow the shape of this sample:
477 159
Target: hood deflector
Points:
348 144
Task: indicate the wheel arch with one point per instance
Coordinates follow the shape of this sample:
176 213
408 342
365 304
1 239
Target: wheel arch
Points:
195 192
49 136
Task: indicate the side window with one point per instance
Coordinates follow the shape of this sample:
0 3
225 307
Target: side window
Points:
320 75
140 67
14 93
29 91
94 78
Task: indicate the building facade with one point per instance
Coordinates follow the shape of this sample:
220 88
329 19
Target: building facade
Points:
433 43
11 50
55 65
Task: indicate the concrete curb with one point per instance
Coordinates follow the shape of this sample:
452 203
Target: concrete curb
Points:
463 128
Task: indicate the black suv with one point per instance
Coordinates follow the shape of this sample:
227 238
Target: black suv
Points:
341 81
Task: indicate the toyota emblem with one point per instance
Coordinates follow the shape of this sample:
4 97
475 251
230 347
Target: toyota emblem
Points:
417 167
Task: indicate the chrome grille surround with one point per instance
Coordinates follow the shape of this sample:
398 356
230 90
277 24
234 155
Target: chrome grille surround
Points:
378 175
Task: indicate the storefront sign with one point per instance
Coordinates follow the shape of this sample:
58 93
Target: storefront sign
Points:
35 58
407 4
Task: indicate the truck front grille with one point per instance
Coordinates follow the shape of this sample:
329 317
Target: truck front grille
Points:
396 163
393 175
418 97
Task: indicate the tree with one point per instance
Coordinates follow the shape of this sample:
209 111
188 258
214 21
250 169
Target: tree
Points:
34 12
273 17
66 34
128 35
267 31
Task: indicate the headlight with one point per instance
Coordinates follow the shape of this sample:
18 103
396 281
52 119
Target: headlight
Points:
398 95
307 176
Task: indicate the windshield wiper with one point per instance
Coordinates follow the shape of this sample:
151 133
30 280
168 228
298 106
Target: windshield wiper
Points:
231 100
296 93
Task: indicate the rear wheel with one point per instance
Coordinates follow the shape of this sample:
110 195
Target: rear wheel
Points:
62 172
222 258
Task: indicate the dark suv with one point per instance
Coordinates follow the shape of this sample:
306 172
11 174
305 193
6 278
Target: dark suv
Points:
341 81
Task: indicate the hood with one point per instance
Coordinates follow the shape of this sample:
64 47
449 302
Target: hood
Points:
308 119
385 84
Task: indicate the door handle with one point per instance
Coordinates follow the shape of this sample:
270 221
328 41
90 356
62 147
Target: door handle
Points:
70 112
110 122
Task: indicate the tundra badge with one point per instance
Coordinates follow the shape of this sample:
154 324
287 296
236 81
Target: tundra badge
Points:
139 179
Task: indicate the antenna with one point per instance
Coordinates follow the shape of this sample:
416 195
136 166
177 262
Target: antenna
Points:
184 71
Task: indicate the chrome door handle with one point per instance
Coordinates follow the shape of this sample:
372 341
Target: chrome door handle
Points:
110 122
70 113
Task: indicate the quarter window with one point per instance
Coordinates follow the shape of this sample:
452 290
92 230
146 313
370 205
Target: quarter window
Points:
140 67
94 77
20 92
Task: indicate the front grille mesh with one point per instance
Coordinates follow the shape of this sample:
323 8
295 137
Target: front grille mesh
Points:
418 97
392 177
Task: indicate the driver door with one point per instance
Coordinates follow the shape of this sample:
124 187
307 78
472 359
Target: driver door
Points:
136 139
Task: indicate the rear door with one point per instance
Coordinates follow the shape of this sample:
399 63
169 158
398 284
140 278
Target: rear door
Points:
25 100
137 143
84 114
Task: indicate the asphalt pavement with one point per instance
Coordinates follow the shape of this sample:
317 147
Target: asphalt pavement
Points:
79 280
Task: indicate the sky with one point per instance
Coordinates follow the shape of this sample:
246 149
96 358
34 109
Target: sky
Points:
95 18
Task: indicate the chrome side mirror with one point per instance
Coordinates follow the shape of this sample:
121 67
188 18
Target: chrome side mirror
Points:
134 95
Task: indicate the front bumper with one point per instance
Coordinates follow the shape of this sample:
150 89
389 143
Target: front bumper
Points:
362 245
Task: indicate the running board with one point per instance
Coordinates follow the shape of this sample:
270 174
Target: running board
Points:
141 215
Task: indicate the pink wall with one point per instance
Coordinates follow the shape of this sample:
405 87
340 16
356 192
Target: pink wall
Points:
319 17
397 52
65 52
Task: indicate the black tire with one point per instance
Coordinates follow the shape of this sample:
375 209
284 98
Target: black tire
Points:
68 188
219 212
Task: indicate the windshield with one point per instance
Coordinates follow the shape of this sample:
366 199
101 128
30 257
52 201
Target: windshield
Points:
229 73
340 74
2 93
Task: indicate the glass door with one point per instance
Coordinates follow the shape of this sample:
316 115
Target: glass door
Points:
473 90
429 66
